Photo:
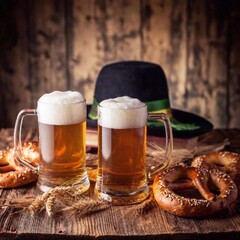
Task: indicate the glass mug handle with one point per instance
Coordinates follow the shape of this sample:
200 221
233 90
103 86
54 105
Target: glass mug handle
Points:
18 139
169 144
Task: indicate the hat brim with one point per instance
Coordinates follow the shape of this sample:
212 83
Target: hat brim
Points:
182 116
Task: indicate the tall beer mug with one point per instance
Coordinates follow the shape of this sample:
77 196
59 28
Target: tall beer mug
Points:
62 140
122 177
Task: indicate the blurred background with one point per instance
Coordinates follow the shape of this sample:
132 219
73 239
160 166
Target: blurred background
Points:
48 45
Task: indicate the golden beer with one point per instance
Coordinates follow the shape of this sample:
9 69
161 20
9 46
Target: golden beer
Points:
62 140
121 177
122 159
62 154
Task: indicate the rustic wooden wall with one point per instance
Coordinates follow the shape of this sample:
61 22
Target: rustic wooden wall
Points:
48 45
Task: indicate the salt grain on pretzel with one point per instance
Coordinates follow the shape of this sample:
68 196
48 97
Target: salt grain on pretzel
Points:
165 185
227 162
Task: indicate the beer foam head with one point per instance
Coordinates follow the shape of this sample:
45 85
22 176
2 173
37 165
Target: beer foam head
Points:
59 97
122 112
61 108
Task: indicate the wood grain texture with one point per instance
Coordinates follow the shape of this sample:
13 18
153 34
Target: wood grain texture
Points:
47 47
14 74
234 65
122 222
117 222
207 81
156 23
83 55
102 32
63 44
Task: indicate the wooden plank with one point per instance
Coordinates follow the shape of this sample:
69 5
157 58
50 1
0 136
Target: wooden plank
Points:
178 42
234 66
47 47
124 30
103 32
164 42
84 57
15 92
156 18
120 222
197 86
207 58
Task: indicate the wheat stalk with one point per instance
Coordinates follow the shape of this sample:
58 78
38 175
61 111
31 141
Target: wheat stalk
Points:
86 206
67 200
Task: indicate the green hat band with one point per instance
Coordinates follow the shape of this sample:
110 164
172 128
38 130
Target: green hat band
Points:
162 105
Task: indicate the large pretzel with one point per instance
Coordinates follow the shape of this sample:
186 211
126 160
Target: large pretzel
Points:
11 173
167 182
227 162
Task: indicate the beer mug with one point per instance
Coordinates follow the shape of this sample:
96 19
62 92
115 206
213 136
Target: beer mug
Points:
62 140
122 177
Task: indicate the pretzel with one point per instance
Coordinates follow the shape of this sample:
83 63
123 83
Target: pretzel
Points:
12 174
224 161
166 183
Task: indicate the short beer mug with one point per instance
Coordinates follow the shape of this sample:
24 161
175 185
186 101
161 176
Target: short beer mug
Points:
62 140
122 126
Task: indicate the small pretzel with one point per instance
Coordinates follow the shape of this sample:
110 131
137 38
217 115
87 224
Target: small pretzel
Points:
166 183
13 174
224 161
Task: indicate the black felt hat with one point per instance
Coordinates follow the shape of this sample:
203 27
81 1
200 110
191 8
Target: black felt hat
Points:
147 82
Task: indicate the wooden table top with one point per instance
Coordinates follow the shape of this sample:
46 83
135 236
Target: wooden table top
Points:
121 222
